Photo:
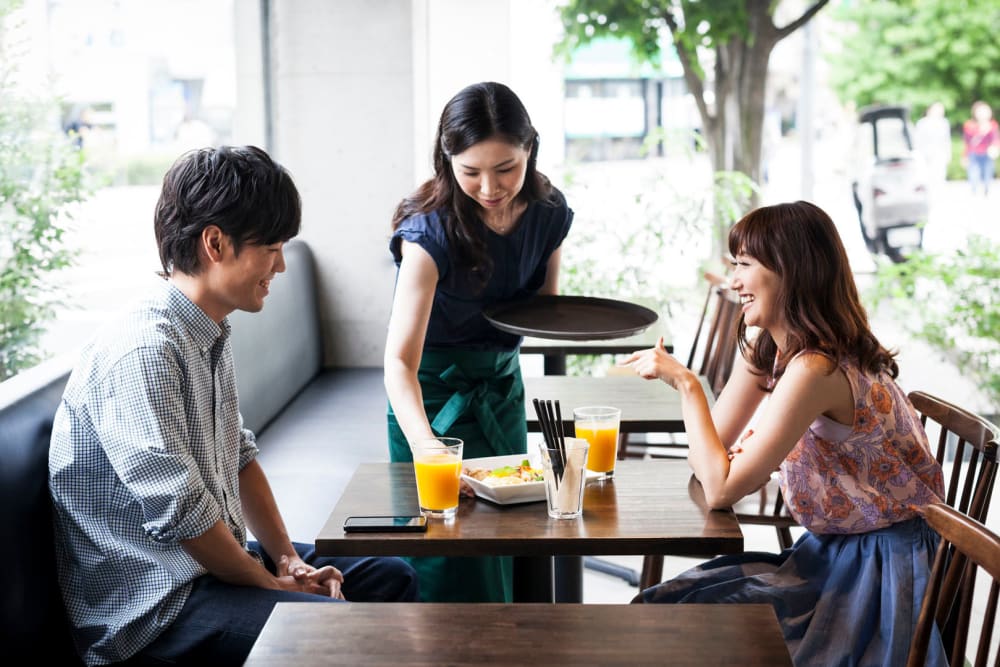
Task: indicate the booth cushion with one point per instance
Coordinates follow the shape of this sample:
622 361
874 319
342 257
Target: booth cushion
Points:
33 615
279 350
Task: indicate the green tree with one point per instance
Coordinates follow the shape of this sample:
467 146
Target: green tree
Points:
917 52
41 178
731 39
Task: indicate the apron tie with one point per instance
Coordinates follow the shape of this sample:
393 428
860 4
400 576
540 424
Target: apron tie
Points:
474 394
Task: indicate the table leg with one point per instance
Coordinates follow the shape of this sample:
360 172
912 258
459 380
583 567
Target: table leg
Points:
622 445
533 579
554 364
652 571
568 578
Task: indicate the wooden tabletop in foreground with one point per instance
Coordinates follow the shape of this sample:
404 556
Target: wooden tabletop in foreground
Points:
474 635
651 507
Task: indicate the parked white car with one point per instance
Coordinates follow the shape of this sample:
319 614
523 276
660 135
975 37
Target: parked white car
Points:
890 182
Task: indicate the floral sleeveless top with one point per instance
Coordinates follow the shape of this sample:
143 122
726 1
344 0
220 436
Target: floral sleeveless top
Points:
877 472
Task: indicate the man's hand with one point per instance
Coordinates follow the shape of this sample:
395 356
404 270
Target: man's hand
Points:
296 575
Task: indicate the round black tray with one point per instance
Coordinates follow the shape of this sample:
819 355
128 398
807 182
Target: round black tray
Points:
564 317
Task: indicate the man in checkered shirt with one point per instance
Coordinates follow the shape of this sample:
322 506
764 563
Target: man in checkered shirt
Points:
154 480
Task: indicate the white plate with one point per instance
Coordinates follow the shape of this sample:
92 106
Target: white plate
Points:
510 494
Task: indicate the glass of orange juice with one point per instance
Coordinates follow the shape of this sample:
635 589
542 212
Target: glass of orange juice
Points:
599 426
437 465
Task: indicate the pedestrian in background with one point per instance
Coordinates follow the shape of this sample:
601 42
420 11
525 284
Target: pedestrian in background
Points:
982 146
933 141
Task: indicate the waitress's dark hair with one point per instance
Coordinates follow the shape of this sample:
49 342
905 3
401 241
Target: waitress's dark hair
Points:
477 113
818 295
239 189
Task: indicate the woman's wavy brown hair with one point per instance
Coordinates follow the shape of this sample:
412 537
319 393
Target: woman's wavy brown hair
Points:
818 296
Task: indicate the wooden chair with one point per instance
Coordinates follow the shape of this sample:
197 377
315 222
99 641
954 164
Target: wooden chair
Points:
714 346
966 545
718 349
758 509
967 445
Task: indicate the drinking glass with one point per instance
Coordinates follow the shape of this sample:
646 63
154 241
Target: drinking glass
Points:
437 465
599 425
564 484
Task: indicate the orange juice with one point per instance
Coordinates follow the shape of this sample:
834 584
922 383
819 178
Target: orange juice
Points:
437 480
603 439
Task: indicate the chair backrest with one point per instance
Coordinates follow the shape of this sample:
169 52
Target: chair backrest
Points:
966 545
716 342
967 444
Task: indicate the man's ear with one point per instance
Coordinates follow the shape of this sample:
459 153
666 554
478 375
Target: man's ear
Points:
212 242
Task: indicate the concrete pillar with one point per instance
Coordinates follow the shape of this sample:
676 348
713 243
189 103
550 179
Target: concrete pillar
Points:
250 114
357 88
343 125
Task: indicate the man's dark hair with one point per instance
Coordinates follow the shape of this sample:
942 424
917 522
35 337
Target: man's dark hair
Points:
239 189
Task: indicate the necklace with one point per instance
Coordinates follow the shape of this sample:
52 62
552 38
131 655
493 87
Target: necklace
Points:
504 221
498 228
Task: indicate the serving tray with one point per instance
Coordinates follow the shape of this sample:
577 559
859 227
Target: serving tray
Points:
566 317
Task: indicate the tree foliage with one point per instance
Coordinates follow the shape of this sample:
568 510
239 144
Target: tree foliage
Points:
723 46
41 178
917 52
965 326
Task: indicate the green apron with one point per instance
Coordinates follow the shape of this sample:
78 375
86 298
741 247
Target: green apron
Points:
477 396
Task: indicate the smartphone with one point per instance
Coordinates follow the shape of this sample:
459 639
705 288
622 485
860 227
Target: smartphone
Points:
385 524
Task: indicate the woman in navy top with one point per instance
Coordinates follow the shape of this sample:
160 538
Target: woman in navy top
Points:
486 228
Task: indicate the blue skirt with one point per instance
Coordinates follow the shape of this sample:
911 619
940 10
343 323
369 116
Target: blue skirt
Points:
840 599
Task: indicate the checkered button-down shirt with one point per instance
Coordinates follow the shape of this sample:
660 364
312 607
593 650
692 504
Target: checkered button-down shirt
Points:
146 451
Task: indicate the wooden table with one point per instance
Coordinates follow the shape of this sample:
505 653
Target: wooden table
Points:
651 507
556 351
473 635
648 406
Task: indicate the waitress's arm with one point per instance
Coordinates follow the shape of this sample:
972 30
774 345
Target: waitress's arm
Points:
411 310
551 284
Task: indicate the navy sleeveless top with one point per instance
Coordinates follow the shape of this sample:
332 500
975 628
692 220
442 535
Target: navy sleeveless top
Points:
519 264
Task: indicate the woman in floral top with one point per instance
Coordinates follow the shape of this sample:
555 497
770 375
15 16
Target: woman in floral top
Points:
854 462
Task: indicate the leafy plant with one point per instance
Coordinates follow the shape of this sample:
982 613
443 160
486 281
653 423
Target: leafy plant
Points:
41 178
951 302
652 243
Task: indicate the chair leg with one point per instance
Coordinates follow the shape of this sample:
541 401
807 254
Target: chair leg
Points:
784 536
652 571
784 532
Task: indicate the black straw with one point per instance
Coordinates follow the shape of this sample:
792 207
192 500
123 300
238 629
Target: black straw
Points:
542 423
559 465
562 434
546 422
